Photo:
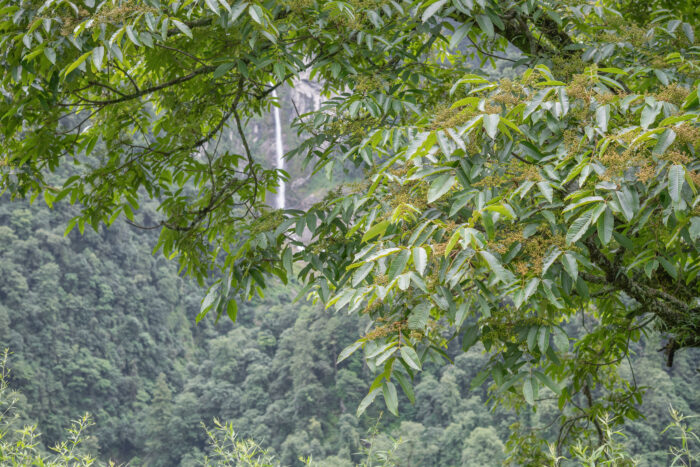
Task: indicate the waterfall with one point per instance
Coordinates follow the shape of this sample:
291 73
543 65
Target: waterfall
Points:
280 154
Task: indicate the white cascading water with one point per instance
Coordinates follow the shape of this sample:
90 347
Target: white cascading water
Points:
280 154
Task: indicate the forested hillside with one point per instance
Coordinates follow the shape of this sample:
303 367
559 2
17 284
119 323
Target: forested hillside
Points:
97 324
505 269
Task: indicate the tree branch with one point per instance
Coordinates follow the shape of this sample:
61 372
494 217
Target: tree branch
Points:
143 92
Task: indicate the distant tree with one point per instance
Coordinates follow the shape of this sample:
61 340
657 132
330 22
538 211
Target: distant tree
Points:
482 447
160 442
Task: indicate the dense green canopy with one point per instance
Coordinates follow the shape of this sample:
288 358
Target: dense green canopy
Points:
494 210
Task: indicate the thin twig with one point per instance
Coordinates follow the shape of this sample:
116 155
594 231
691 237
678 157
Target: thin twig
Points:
489 54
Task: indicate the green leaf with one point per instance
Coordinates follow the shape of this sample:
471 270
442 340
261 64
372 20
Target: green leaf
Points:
222 69
665 140
530 288
470 337
583 202
49 198
663 77
649 114
398 264
76 63
98 54
237 10
406 386
432 9
486 25
50 54
420 259
496 267
694 229
479 378
532 338
546 190
504 209
375 351
376 230
382 254
550 259
623 240
509 124
529 390
256 13
232 310
543 339
606 224
132 36
182 27
688 31
547 381
70 226
459 35
287 257
349 350
561 341
224 3
146 38
409 355
462 311
367 401
491 125
128 212
625 201
385 355
390 397
440 186
418 318
579 227
602 115
487 220
208 301
669 267
570 265
613 70
676 178
213 6
362 272
456 235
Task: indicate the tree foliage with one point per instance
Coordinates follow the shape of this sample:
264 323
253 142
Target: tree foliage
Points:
494 210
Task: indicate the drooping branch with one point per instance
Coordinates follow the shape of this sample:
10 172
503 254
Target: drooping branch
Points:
182 52
146 91
671 310
526 31
483 52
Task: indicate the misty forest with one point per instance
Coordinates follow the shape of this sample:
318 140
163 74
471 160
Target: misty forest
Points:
273 233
